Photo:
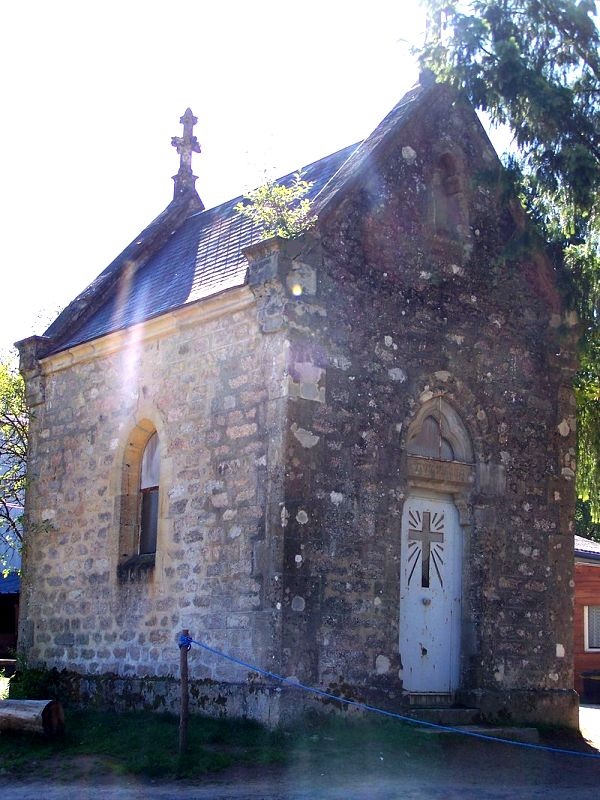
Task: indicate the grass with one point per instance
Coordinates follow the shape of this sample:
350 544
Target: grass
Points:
143 743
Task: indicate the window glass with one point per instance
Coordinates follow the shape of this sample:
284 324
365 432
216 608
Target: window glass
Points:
149 496
430 442
594 627
150 463
149 521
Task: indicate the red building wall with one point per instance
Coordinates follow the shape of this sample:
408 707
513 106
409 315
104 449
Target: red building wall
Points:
587 593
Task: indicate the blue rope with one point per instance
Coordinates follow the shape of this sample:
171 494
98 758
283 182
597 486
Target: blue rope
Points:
187 641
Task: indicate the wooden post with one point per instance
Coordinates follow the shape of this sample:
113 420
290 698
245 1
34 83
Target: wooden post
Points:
184 705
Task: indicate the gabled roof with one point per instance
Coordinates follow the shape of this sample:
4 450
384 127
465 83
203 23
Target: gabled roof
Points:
586 548
201 257
189 253
362 155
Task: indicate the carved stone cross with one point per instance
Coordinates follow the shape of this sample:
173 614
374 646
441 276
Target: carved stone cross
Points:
427 537
185 145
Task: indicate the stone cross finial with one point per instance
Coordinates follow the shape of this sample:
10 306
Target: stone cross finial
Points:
185 145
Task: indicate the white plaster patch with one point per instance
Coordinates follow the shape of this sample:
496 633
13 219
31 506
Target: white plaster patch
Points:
235 532
306 438
408 154
424 275
341 362
336 498
456 270
298 603
302 517
397 374
278 606
443 375
302 276
298 558
377 601
456 339
382 665
307 386
284 516
388 341
560 651
553 676
557 496
564 428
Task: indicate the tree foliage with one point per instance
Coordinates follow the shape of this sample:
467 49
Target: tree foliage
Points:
280 209
14 425
534 65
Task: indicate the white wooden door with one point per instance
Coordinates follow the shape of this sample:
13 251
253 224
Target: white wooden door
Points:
430 595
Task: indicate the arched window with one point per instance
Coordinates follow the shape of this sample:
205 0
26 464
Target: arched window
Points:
438 432
139 501
149 496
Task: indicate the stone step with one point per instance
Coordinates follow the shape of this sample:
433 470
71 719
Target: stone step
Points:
527 735
445 715
431 700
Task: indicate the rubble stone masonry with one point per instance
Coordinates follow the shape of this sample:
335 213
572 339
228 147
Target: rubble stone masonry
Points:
283 411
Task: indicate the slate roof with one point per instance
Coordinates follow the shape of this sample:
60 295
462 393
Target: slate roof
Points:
188 253
586 548
202 258
11 584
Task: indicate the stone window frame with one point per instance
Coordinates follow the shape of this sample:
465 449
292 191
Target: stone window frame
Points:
586 628
131 563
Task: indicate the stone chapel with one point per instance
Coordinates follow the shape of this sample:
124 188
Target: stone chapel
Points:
347 458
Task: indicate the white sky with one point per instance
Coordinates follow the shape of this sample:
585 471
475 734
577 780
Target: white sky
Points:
92 93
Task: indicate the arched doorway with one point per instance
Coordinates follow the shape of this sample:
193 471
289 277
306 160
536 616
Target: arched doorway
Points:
440 472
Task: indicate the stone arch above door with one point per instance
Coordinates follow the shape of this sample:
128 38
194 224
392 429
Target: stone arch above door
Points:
439 449
435 540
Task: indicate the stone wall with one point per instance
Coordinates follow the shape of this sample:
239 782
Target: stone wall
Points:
213 391
284 472
404 312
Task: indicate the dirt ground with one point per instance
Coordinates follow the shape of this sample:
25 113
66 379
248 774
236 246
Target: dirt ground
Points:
471 769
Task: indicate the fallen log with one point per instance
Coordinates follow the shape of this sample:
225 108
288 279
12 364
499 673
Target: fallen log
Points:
35 716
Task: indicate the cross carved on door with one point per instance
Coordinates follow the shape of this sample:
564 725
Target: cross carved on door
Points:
427 537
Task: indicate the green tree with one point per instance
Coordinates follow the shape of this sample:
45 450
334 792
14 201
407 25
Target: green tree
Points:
279 209
534 65
14 425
